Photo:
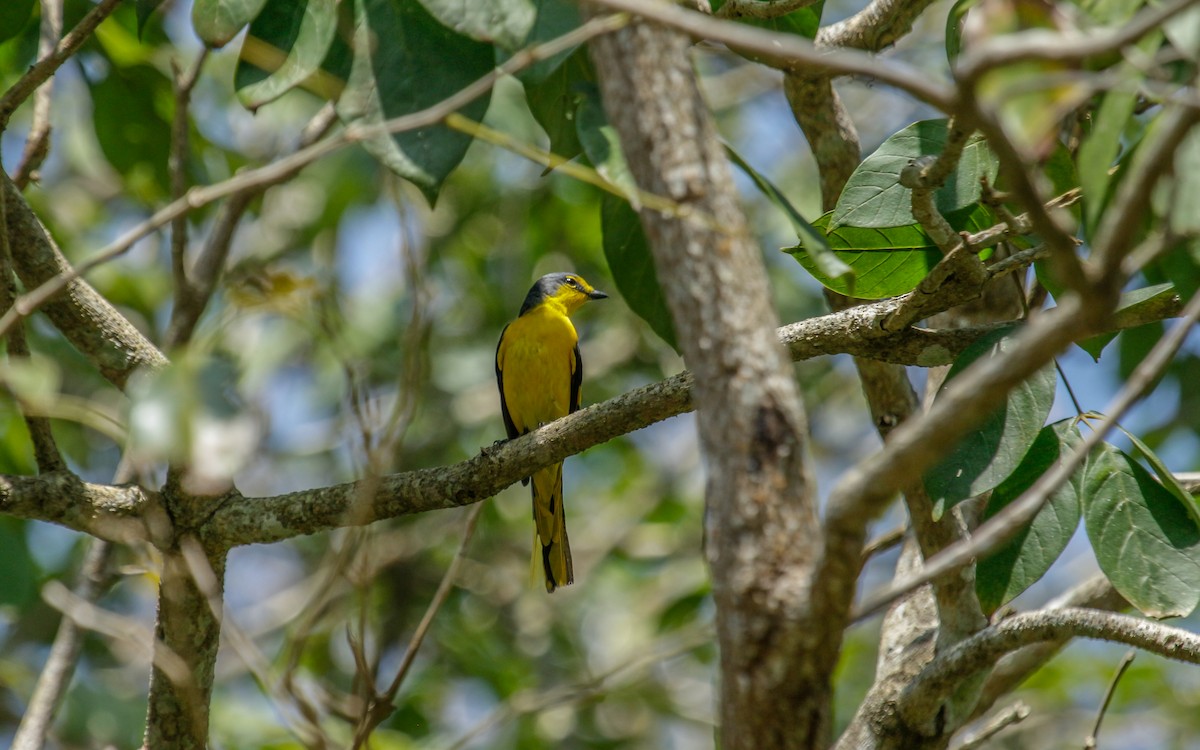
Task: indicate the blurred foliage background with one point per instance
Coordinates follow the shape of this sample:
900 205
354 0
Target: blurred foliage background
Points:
351 306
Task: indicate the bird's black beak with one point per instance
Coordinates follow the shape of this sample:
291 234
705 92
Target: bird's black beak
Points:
597 294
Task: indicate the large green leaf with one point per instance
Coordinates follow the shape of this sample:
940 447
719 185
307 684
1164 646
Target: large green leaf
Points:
873 196
1025 558
886 261
133 126
554 101
802 22
20 571
399 68
554 18
217 22
1145 541
991 452
602 145
14 14
632 266
817 248
1130 302
505 23
286 44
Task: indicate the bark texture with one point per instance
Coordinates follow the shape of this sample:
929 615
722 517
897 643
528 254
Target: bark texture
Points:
761 521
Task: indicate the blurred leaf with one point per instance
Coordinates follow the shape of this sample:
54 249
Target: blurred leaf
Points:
1130 302
602 145
988 454
1025 558
145 9
1145 541
14 14
954 27
1182 266
554 102
1185 219
130 114
816 248
632 266
286 44
886 261
399 68
873 196
217 22
20 571
684 611
505 23
554 18
1183 30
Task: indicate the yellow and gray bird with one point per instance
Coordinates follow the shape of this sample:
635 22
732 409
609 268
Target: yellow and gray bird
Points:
539 372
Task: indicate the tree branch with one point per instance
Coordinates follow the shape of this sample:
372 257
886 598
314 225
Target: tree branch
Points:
981 651
45 67
37 143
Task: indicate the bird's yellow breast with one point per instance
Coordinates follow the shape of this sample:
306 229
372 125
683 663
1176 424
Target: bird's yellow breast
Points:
537 359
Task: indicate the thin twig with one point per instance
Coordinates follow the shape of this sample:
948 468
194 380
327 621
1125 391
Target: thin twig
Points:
382 705
287 167
45 67
1003 719
37 143
177 166
1090 742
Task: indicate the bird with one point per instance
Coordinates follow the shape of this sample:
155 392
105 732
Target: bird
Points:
539 373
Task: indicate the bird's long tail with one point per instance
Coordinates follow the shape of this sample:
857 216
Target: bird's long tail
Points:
550 524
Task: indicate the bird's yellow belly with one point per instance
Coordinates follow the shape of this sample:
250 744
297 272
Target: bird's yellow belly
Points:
537 376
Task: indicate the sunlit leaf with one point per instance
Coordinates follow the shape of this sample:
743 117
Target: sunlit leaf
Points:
505 23
217 22
1145 541
987 455
397 70
816 248
1025 558
1130 302
873 196
285 45
886 261
602 144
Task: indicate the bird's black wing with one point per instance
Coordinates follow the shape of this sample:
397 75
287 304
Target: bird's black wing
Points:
576 380
508 422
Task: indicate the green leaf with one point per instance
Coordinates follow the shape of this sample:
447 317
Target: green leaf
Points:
554 102
991 452
1130 302
20 571
803 22
632 266
1145 542
217 22
286 44
405 75
1182 266
873 196
1165 476
505 23
554 18
954 27
1099 150
14 14
886 261
1184 218
133 128
602 145
1183 31
1025 558
818 250
145 9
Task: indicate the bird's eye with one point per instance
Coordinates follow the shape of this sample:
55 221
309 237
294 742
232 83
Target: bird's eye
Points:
573 282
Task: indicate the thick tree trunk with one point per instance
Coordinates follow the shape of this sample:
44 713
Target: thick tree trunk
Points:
762 533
